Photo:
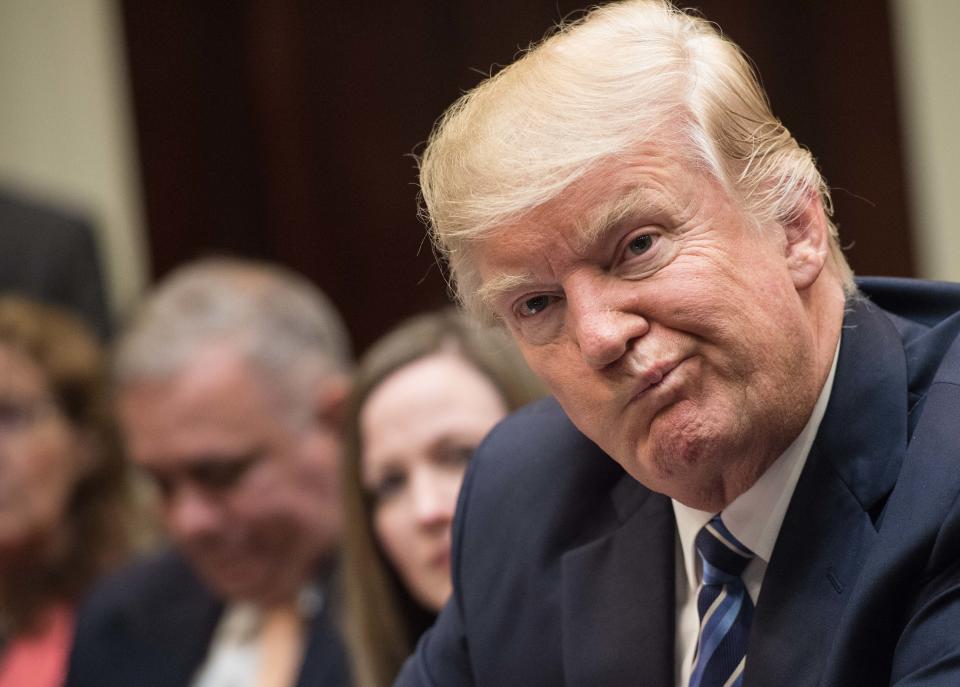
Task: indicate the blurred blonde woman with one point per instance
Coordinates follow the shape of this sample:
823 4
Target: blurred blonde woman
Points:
64 499
424 397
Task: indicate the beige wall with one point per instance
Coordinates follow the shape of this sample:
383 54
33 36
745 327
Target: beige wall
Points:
929 56
65 123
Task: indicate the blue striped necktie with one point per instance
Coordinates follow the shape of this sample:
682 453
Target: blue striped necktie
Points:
725 608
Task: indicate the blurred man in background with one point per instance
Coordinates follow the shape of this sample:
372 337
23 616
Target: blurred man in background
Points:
229 389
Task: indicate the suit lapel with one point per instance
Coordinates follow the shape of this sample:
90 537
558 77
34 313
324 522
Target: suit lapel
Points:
618 597
323 660
830 525
175 628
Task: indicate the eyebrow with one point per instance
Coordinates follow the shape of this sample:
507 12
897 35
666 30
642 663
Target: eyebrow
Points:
590 230
493 289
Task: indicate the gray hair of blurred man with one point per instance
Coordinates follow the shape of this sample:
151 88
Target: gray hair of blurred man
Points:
624 73
284 326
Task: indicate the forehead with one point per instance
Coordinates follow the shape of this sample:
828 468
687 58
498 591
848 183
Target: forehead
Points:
653 182
216 405
435 394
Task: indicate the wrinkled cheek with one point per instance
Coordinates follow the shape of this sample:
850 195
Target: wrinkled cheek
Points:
560 370
589 407
681 437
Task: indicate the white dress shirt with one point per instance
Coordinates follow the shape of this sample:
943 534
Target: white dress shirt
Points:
754 518
235 658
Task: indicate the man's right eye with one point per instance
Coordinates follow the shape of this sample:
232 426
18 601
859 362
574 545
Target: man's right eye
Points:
534 305
226 471
219 476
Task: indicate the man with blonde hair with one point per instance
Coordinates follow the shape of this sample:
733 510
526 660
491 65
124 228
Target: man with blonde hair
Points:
230 386
749 473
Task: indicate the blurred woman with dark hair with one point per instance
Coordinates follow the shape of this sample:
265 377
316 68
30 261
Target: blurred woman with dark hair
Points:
424 396
65 504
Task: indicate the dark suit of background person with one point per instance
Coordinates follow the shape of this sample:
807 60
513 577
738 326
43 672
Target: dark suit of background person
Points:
863 587
151 627
51 256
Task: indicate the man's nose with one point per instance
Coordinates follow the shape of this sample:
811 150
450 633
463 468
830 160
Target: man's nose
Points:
602 321
191 513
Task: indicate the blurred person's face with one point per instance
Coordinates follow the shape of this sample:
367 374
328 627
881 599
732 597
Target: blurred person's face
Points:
41 456
419 428
250 499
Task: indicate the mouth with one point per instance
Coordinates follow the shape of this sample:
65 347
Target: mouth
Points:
654 376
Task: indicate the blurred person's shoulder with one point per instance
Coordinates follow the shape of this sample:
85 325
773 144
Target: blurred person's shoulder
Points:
146 598
148 623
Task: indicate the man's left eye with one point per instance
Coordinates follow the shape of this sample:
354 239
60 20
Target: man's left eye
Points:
534 305
640 244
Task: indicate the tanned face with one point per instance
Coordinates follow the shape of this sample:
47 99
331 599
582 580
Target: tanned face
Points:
683 339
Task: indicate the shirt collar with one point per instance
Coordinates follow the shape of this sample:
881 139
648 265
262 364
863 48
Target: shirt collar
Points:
241 620
755 516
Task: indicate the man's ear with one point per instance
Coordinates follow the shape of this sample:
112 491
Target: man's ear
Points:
330 402
808 243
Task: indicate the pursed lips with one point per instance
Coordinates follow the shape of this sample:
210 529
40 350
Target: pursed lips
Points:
652 375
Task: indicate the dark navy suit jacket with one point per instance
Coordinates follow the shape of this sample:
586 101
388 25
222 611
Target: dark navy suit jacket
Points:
52 257
564 565
151 625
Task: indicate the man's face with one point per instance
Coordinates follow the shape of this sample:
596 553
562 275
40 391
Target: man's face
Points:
250 500
675 334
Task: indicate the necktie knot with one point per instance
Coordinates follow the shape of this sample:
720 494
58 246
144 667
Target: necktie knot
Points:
723 556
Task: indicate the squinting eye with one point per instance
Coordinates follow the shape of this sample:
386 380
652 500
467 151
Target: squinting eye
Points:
534 305
640 244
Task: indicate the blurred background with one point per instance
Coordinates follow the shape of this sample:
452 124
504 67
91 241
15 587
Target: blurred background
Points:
284 129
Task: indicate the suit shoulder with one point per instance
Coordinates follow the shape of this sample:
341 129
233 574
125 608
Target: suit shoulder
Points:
540 442
23 213
922 302
535 467
153 581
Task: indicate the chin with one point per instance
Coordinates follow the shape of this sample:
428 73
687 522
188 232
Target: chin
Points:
681 456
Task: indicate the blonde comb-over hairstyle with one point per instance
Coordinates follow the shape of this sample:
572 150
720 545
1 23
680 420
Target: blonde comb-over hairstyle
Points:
624 73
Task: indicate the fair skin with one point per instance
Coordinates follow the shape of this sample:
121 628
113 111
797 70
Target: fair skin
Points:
249 497
419 428
687 343
42 456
